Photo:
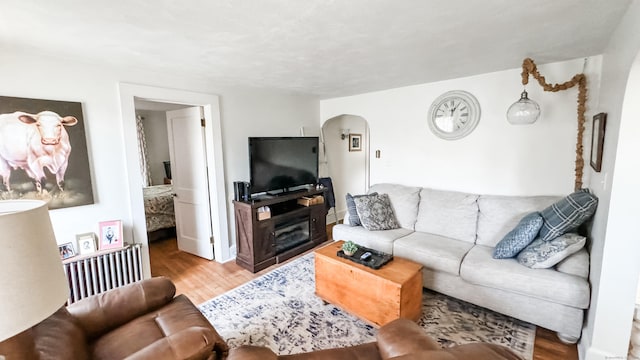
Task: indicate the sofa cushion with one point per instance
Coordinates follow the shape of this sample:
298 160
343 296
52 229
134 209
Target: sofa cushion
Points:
178 316
378 240
518 238
567 214
448 213
499 214
576 264
542 254
352 212
375 212
404 201
435 252
480 268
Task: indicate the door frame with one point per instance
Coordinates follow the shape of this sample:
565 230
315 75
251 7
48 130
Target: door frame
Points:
215 169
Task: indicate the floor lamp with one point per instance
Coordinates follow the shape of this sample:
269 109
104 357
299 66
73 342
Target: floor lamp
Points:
32 278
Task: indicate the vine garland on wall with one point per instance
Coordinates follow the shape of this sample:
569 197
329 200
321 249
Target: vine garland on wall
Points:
530 68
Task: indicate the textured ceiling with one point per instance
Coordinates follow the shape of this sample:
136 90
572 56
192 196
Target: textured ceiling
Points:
326 48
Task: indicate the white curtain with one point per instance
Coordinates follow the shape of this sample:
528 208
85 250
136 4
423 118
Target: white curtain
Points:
145 172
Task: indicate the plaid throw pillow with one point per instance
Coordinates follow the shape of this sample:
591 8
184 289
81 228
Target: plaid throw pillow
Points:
567 214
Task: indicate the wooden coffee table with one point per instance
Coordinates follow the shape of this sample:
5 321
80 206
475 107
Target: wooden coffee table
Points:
378 296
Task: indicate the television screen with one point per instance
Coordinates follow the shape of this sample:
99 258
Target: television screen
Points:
282 163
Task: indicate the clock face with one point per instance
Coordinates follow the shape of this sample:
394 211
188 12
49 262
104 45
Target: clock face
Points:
454 115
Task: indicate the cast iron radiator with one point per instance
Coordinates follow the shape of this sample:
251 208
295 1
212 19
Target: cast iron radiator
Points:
91 275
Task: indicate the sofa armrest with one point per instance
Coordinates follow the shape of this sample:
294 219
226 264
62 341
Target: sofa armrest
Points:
402 337
101 313
192 343
250 352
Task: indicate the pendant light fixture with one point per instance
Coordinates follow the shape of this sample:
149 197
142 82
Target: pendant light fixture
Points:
523 111
527 111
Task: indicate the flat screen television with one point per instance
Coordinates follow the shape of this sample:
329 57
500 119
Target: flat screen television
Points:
281 164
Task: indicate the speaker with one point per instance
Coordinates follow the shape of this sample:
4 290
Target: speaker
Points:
246 195
238 190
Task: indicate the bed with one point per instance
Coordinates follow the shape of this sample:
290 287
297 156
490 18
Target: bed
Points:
158 207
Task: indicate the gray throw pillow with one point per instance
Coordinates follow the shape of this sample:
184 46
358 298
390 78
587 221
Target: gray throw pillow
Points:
542 254
518 238
376 213
354 220
567 214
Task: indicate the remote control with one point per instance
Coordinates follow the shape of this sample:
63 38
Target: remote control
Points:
365 256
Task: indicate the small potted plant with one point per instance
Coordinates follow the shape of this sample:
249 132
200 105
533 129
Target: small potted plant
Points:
349 248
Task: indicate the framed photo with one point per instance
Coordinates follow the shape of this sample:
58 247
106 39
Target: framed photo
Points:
66 251
597 140
355 142
111 234
86 243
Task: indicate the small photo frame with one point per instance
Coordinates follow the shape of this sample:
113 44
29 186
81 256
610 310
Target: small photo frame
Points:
111 234
597 140
355 142
86 243
66 251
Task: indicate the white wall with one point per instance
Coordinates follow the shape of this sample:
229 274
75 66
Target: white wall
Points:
615 245
496 158
244 112
156 135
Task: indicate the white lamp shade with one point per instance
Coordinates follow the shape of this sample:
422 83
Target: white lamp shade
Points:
523 111
32 280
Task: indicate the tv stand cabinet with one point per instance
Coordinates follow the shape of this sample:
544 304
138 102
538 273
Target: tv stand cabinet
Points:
258 242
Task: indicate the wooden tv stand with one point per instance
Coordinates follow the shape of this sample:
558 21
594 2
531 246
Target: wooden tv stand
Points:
259 243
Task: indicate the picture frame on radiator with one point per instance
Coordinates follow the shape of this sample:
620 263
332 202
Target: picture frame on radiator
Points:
66 251
111 235
86 243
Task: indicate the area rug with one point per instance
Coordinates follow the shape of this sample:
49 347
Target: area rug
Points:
279 310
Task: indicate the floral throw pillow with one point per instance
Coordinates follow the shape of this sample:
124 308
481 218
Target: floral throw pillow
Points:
375 212
354 219
542 254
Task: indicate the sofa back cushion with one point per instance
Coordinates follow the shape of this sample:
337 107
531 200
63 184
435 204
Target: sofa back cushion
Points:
500 214
404 202
448 213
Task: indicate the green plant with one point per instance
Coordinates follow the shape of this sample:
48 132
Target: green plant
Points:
349 248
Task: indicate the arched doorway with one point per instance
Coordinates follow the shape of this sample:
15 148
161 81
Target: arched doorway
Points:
347 166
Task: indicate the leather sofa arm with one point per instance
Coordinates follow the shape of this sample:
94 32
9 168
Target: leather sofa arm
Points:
101 313
403 337
192 343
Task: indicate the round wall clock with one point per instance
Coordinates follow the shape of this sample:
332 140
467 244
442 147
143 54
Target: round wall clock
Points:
454 115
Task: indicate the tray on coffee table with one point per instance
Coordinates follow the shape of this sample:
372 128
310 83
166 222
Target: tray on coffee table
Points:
376 261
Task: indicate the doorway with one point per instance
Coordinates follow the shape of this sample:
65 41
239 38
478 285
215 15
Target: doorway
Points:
347 167
213 155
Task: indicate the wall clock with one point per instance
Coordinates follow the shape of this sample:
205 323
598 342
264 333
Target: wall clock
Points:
454 115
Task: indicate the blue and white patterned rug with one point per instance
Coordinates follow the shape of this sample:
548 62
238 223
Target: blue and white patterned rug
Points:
279 310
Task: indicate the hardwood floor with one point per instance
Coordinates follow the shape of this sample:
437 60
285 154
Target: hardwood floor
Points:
202 280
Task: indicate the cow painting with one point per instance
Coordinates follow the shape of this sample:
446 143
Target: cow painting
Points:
34 142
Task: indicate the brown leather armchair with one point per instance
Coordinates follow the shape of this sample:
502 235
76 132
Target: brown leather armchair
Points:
138 321
399 340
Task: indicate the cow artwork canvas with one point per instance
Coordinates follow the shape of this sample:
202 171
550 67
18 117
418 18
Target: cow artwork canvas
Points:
43 152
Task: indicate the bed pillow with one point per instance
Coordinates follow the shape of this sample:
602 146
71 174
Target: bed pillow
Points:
567 214
375 212
354 220
542 254
518 238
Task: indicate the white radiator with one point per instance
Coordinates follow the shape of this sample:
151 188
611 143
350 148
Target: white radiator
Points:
101 272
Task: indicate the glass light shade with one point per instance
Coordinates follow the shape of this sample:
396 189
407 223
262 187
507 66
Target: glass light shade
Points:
523 111
32 278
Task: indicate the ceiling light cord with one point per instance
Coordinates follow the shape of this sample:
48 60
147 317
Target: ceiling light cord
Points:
530 68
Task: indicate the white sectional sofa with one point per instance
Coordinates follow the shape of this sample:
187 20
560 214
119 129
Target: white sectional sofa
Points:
453 235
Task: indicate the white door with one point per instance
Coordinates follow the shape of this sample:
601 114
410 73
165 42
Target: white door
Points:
190 182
